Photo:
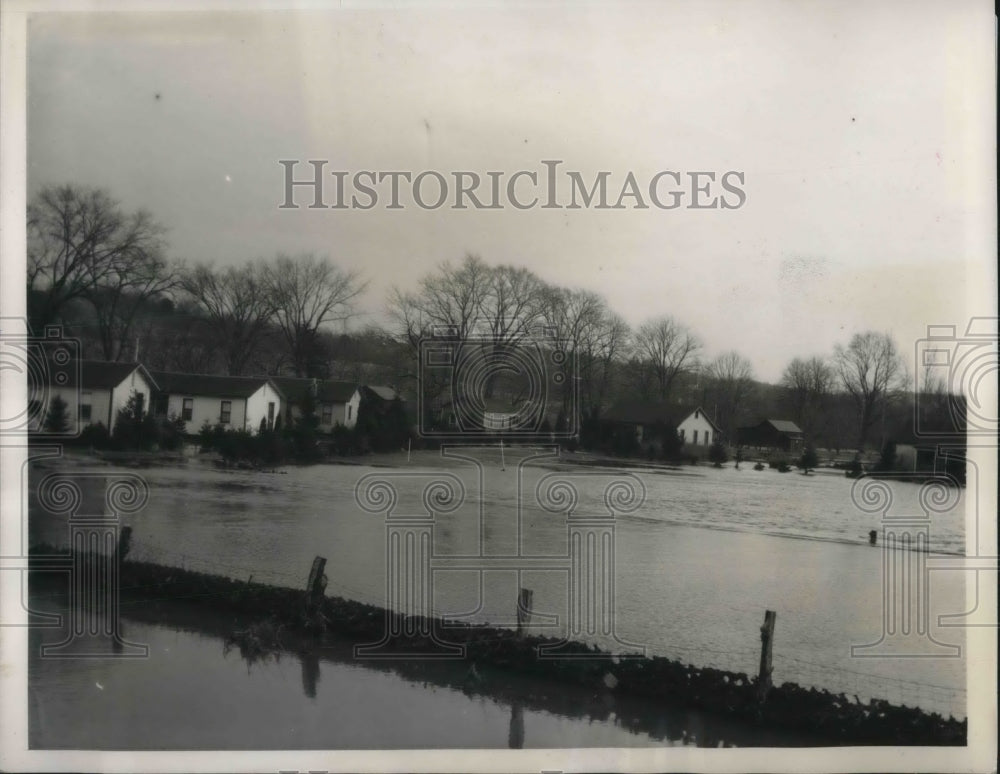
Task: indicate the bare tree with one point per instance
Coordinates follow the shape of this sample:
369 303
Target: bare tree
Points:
447 305
809 383
871 369
596 338
82 245
308 292
123 295
240 305
665 349
731 376
512 305
178 337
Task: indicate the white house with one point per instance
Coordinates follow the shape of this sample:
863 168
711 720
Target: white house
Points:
693 425
104 388
335 403
236 402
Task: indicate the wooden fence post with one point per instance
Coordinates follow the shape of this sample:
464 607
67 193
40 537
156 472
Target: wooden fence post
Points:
316 584
524 609
124 542
766 642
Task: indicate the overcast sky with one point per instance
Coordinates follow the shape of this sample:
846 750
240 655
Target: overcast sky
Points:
866 139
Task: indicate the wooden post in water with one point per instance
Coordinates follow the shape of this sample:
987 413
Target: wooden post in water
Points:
524 598
316 585
124 542
766 642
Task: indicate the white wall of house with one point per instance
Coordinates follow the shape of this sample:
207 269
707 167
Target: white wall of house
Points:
133 383
332 414
97 400
103 403
696 429
244 413
498 420
205 408
257 407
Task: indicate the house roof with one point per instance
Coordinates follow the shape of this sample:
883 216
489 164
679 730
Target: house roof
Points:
327 390
652 412
101 374
385 393
784 426
211 385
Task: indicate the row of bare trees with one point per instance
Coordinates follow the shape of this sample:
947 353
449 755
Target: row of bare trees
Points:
90 260
89 257
869 370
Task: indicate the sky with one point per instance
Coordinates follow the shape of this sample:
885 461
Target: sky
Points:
866 141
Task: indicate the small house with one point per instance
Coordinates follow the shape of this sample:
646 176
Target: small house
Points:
334 402
781 434
104 388
236 402
692 423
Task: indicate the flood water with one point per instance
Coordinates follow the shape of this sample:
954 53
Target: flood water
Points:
190 693
696 564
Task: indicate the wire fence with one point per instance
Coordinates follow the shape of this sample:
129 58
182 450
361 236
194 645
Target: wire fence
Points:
856 685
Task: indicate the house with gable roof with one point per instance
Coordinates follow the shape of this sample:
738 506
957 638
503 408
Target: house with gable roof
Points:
692 423
103 389
335 402
781 434
235 402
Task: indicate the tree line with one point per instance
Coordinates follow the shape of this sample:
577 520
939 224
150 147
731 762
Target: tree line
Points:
103 273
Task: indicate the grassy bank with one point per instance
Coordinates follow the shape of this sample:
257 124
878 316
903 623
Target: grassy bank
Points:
262 609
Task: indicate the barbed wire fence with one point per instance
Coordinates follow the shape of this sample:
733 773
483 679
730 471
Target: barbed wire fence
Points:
857 685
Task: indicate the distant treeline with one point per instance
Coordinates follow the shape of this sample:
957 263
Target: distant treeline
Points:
104 274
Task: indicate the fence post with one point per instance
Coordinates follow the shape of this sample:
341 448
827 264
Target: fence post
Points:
124 542
524 609
316 584
766 641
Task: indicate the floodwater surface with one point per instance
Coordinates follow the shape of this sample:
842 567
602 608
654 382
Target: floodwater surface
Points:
699 555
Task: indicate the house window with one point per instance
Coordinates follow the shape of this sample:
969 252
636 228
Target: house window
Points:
708 436
270 414
226 412
696 437
140 403
349 407
682 435
187 410
86 399
327 414
161 405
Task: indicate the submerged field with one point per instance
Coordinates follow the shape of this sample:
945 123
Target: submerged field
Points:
697 563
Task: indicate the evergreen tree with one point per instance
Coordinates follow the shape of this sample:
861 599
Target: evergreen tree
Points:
57 420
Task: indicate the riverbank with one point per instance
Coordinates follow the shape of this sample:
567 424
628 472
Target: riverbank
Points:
260 608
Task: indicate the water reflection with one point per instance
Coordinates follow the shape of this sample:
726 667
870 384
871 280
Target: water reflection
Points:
310 672
515 737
